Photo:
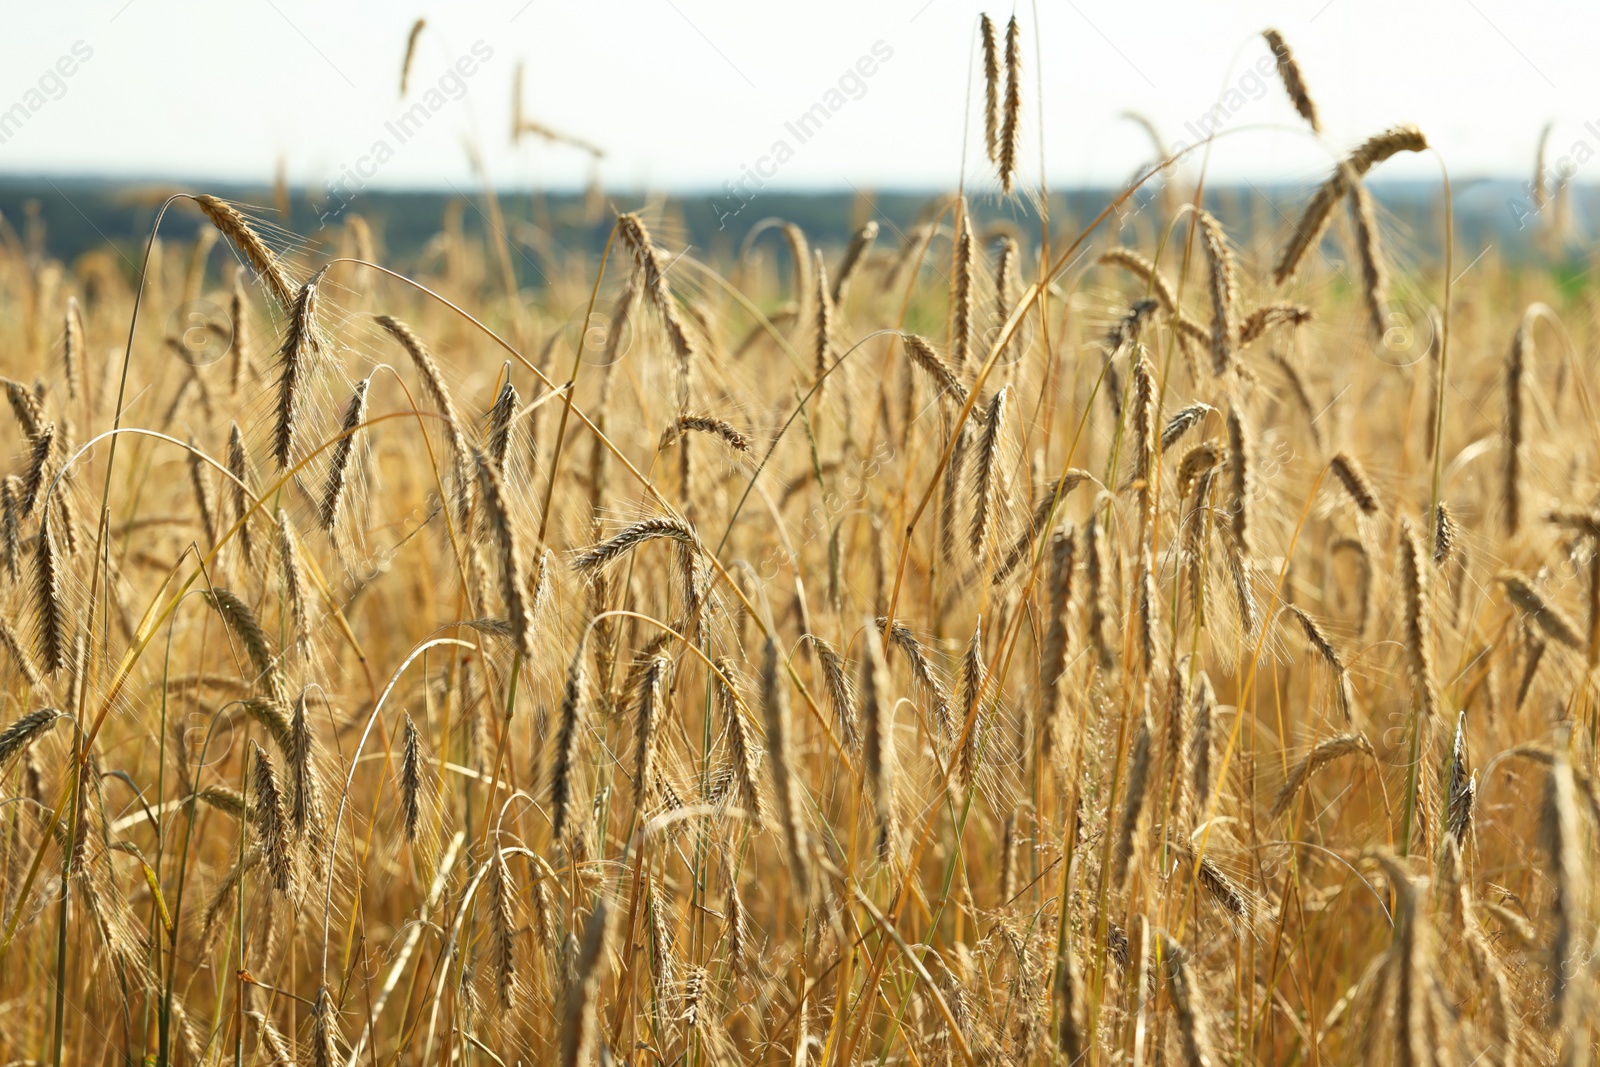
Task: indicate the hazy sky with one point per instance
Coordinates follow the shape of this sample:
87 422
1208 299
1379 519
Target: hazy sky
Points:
684 93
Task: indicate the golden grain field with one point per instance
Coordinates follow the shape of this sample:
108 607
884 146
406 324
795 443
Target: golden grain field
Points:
978 644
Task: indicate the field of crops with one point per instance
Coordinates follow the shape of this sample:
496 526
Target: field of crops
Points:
1108 640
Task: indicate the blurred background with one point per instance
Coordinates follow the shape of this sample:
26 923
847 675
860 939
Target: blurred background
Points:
706 102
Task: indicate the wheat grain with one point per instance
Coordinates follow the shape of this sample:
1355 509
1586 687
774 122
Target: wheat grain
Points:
1010 123
1559 829
855 254
262 259
1314 219
637 238
26 407
514 590
1194 1025
785 780
72 347
1374 281
592 559
1133 798
1184 420
302 343
33 482
961 295
1294 82
1053 653
840 689
974 683
709 425
1418 624
294 587
922 671
563 769
272 824
991 88
411 54
1224 289
1320 756
24 731
741 740
1355 481
333 492
988 489
1550 618
49 603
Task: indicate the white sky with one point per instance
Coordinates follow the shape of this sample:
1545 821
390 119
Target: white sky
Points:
682 93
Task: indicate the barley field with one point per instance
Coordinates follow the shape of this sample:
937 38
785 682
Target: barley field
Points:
1167 642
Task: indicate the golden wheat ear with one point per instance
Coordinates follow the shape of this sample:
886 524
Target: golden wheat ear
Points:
1011 119
1294 82
991 88
232 225
411 54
